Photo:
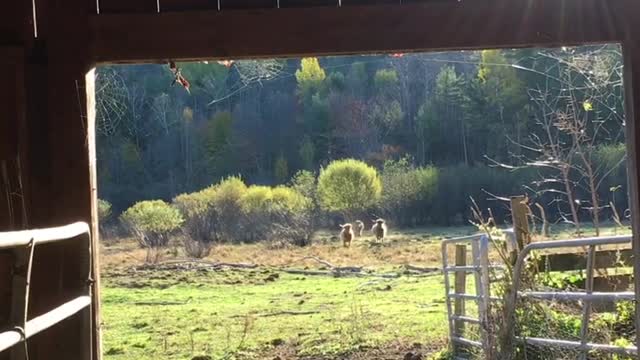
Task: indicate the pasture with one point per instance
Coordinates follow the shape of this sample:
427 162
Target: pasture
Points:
195 311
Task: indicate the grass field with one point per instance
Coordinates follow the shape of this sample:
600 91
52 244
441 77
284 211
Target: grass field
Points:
265 313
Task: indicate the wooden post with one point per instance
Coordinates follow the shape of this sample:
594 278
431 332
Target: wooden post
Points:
460 287
631 52
519 212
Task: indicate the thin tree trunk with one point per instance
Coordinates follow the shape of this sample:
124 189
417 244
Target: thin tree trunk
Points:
571 199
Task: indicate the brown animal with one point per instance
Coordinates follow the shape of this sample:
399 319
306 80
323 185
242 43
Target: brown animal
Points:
346 235
379 229
359 228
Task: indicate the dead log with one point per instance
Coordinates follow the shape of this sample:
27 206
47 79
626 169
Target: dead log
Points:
277 313
419 269
162 303
333 267
175 264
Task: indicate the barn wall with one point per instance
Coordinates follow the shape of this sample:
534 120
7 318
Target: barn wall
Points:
44 161
46 125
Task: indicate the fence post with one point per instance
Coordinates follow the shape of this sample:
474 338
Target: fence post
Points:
519 210
460 288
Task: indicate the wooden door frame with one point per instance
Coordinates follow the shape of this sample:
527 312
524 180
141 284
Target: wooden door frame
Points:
73 39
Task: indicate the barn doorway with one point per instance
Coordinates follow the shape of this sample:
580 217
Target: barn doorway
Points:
221 196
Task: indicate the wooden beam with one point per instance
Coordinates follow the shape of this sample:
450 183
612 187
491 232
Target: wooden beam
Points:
519 212
631 52
438 25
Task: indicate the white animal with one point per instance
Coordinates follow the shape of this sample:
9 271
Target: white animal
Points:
346 235
379 229
359 228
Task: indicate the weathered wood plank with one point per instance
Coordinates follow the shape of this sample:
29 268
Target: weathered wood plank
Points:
127 6
519 212
188 5
631 54
438 25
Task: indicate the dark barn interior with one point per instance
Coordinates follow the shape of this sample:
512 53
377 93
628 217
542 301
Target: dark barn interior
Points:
48 49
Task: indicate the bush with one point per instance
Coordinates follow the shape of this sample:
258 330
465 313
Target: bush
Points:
457 184
407 191
304 182
288 200
348 186
104 210
104 213
279 213
152 222
256 206
200 221
226 204
199 214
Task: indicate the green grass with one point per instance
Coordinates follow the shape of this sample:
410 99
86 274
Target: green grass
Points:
262 313
233 314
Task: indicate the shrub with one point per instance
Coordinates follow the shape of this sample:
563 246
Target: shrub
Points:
304 182
104 210
407 191
279 213
200 221
256 206
457 184
196 249
348 186
104 213
226 203
152 222
288 200
199 214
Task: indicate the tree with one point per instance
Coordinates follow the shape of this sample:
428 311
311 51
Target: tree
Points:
307 153
575 115
496 106
310 77
281 169
442 121
348 186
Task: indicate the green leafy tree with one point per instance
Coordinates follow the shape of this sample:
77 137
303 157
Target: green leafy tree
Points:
307 153
497 107
217 135
349 186
281 169
440 123
310 77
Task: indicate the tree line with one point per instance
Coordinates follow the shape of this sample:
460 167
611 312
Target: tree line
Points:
485 124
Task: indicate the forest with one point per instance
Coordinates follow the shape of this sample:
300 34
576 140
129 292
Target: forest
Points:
440 129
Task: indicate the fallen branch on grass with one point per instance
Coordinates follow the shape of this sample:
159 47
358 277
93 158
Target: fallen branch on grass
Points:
419 269
162 303
202 264
278 313
338 273
333 267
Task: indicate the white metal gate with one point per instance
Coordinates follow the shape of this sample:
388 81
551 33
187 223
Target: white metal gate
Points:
479 267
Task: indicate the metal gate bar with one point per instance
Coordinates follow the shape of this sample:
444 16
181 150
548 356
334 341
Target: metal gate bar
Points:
30 239
587 296
480 268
